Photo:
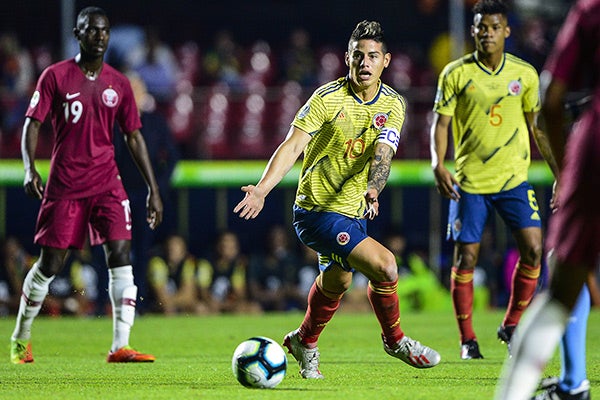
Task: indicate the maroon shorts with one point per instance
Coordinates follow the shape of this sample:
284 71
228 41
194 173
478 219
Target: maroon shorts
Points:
574 230
64 224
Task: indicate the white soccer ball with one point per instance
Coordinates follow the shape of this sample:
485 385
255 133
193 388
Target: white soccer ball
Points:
259 362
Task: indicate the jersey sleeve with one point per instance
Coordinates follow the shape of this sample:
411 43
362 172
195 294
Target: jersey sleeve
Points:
311 117
128 117
445 97
531 97
41 100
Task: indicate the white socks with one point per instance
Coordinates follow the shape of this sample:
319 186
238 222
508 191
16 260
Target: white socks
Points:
536 338
35 289
123 294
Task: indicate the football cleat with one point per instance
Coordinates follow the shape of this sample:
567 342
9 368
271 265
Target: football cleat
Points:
20 351
413 353
551 391
469 350
505 334
308 359
126 355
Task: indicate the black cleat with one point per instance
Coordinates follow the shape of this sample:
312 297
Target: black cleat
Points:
505 334
470 350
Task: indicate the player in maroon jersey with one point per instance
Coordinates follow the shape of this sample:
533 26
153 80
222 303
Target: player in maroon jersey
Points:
574 63
83 98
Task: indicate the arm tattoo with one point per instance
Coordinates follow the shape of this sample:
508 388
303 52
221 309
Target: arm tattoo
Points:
380 167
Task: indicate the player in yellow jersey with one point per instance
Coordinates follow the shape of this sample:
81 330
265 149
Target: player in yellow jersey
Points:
491 100
349 131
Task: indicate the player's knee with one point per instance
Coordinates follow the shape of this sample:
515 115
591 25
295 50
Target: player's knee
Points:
386 270
467 259
334 287
532 254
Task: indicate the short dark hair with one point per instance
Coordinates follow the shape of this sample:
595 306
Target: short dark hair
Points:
84 14
488 7
368 30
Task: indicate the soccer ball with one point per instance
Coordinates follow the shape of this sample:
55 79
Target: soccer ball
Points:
259 362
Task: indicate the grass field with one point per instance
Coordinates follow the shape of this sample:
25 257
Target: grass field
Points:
194 359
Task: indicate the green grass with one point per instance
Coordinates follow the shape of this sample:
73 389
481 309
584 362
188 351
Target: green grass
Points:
194 359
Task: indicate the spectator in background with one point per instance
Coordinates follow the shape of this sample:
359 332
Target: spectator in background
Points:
223 62
222 277
299 62
533 43
163 155
16 66
17 76
126 48
158 67
16 263
172 279
273 274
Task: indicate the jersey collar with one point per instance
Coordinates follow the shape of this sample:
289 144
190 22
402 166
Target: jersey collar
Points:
358 99
486 69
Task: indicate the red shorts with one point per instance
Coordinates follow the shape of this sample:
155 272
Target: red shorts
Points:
575 228
63 224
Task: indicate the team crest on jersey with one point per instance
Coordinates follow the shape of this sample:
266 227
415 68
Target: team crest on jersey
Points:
343 238
110 97
514 88
379 120
304 112
35 99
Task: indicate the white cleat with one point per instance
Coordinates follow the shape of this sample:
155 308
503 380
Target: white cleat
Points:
308 359
413 353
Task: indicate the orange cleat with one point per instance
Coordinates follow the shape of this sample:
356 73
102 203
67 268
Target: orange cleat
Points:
126 355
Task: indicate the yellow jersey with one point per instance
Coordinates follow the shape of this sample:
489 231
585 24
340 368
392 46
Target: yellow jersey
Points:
491 140
344 132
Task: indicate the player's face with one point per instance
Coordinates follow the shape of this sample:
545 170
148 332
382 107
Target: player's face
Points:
93 35
366 61
490 32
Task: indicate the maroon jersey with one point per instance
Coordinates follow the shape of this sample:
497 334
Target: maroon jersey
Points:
83 113
575 59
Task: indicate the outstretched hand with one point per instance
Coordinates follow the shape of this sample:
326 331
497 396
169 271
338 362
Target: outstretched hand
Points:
252 203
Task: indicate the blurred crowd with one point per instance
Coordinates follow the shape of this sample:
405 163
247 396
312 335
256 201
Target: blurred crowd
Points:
230 101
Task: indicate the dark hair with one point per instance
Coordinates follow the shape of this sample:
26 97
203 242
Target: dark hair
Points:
84 14
368 30
487 7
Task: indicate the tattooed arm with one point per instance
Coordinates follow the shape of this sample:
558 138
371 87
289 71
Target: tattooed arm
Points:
378 176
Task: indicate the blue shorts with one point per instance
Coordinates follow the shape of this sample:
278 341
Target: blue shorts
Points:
518 208
333 236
